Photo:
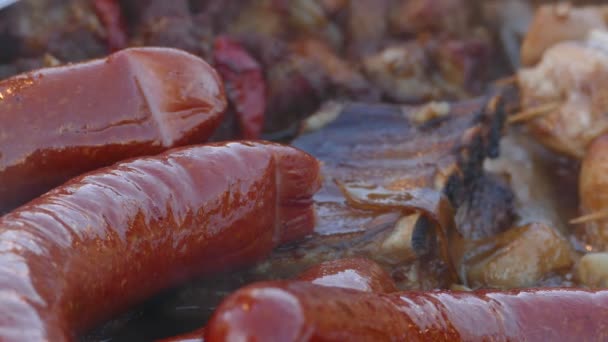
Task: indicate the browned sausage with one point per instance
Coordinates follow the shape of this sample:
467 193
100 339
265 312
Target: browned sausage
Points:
60 122
353 273
113 237
301 311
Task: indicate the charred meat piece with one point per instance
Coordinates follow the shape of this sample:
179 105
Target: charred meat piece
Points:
400 150
488 208
405 147
538 249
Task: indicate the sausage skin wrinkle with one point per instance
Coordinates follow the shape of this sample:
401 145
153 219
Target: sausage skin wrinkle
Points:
301 311
60 122
113 237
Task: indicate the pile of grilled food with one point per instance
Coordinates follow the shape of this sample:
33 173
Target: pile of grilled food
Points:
328 170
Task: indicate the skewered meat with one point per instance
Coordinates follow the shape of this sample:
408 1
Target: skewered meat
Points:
565 93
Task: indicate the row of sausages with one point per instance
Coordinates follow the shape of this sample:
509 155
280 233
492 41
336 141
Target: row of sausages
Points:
112 237
138 101
356 300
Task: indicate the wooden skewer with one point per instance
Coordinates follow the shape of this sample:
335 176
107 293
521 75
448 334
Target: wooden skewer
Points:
532 113
590 217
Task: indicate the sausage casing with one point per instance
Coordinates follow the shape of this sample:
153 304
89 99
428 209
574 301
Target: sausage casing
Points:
301 311
60 122
108 239
353 273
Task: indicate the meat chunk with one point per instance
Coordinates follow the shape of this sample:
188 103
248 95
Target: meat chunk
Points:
370 148
520 257
488 208
567 94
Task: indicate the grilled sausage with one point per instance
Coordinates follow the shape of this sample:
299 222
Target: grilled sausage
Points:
301 311
352 273
60 122
111 238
